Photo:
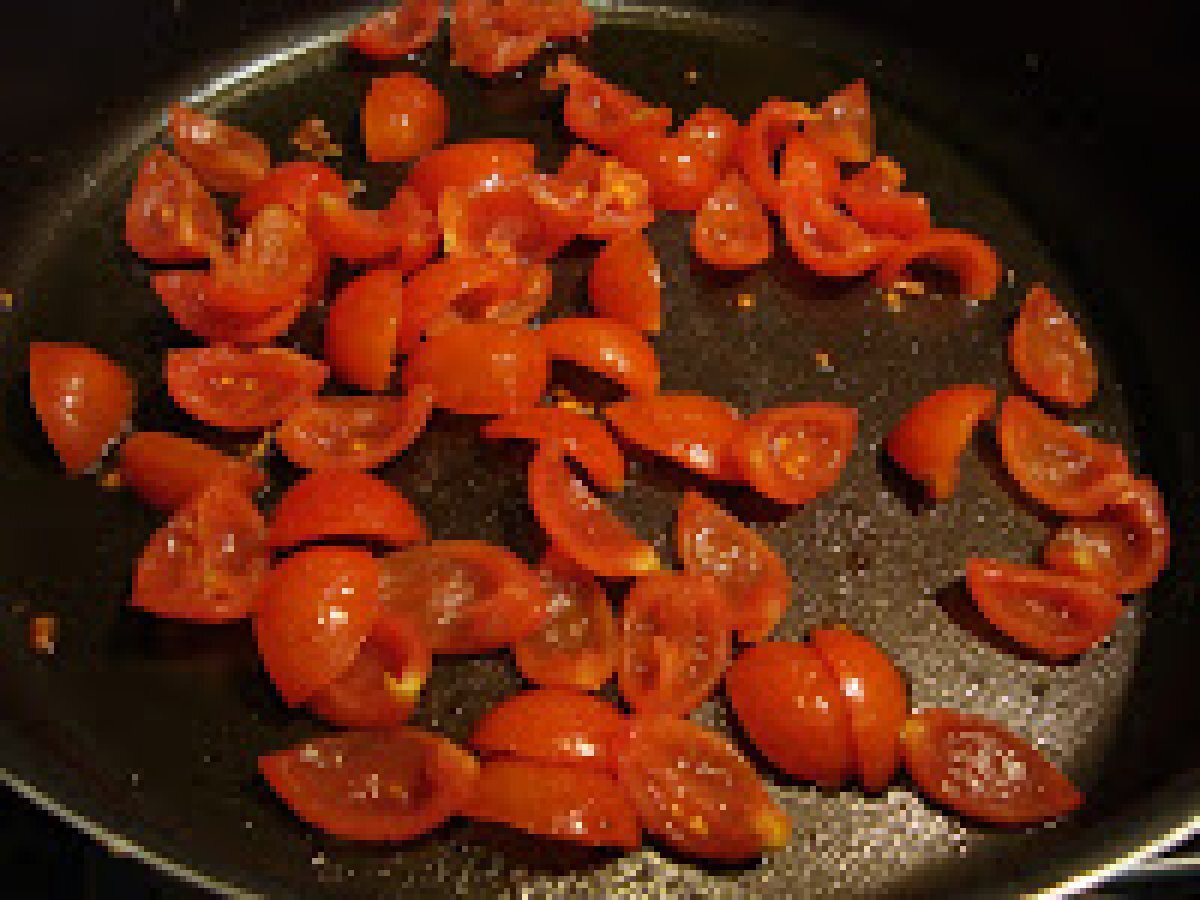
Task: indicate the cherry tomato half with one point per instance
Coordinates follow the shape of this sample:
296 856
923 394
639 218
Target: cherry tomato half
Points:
968 258
930 438
681 176
731 230
399 30
714 133
552 725
341 503
606 347
625 283
362 329
844 125
167 470
576 436
296 185
274 262
507 219
170 218
768 130
405 231
185 296
795 453
1049 352
225 158
599 112
470 165
403 117
693 430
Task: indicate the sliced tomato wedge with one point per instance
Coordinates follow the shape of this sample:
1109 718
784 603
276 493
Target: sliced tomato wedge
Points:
363 327
481 368
844 125
681 176
576 647
695 792
930 438
225 158
170 217
694 430
731 230
876 698
83 400
445 292
756 584
341 503
465 596
405 231
970 259
598 111
714 133
793 454
1050 354
487 40
403 117
399 30
826 240
607 347
206 564
242 390
873 197
469 166
508 219
983 771
573 434
675 643
625 283
552 725
354 432
167 470
391 785
185 296
608 197
296 185
808 166
1053 463
768 130
579 523
274 262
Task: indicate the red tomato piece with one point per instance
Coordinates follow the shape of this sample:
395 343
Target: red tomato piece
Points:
354 432
167 470
1056 465
873 197
509 220
826 240
983 771
768 130
731 230
608 198
469 166
930 438
566 803
443 293
793 454
560 18
625 283
681 176
844 125
579 523
876 699
606 347
1050 354
481 368
403 117
809 166
465 596
552 725
83 401
399 30
694 791
170 218
486 40
714 133
968 258
185 295
576 647
225 158
599 112
693 430
675 644
572 434
295 185
383 684
404 231
363 327
712 542
208 562
341 503
1125 546
275 262
390 785
242 390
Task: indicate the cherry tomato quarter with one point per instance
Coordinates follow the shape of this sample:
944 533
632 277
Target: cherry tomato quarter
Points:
768 130
793 454
185 295
731 230
693 430
598 111
609 348
681 177
488 37
510 220
363 327
971 261
625 283
274 262
930 438
552 725
167 470
576 436
1049 353
341 503
399 30
826 240
609 198
468 166
226 159
404 232
403 117
873 197
170 217
844 124
714 133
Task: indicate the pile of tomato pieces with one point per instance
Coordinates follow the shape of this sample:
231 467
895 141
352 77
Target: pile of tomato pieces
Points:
350 597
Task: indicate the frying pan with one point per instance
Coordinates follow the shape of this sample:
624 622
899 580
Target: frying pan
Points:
143 733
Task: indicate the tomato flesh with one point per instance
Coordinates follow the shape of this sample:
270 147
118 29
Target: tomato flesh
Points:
695 431
170 218
552 725
341 503
487 39
1050 354
873 197
404 28
469 166
609 198
731 230
625 283
826 240
599 112
363 327
575 435
167 470
404 232
930 438
275 262
185 295
793 454
226 159
403 117
810 166
296 185
609 348
844 125
508 219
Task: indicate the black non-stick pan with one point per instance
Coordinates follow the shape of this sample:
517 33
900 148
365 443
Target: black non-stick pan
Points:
144 733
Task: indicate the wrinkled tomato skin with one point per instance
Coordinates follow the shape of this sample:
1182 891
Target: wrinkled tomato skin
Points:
575 435
340 503
403 117
609 348
731 230
403 28
1049 353
167 470
552 725
930 438
226 159
470 165
693 430
625 283
362 329
170 217
824 434
970 259
296 185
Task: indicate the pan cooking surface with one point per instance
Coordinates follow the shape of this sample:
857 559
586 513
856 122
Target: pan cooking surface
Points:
158 724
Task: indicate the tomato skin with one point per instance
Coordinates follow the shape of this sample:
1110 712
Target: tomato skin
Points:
810 166
681 177
1049 353
969 258
185 295
403 117
844 125
691 429
580 525
486 42
508 219
167 470
1053 463
608 348
481 368
873 197
350 785
731 230
675 644
1007 781
274 262
433 295
362 329
83 400
341 503
225 158
405 231
695 792
566 803
469 165
599 112
358 433
575 435
170 218
403 28
791 706
295 185
930 438
826 240
756 584
625 283
876 700
761 137
609 198
552 725
793 454
241 390
715 133
208 562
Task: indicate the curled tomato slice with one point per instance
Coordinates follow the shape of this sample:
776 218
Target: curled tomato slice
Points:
1049 352
793 454
185 296
354 432
1053 463
791 706
225 158
295 185
608 198
612 349
598 111
970 259
208 562
573 434
681 176
625 283
403 117
930 438
509 220
363 327
242 390
694 791
552 725
399 30
693 430
873 197
983 771
275 262
340 503
469 166
844 125
579 523
731 230
760 140
170 217
465 596
405 231
712 542
826 240
167 470
391 785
